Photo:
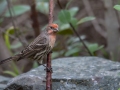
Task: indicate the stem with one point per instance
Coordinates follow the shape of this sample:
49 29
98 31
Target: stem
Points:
75 31
80 39
13 23
49 73
34 17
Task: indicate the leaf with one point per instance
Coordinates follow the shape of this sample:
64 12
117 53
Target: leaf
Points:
68 3
43 7
17 10
64 26
10 73
55 54
73 11
94 47
35 64
65 32
64 16
42 1
118 88
3 5
64 29
15 46
6 36
117 7
73 51
15 68
86 19
74 22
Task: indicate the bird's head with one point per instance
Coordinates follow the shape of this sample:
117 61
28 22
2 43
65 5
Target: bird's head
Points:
53 27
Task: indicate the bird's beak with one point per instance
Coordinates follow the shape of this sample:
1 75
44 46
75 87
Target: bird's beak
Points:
56 30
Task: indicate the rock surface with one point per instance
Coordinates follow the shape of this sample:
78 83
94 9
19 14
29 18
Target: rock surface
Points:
3 82
73 73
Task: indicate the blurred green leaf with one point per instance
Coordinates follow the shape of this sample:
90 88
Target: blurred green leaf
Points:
6 36
74 22
86 19
17 10
35 64
15 69
15 46
43 7
94 47
117 7
55 54
64 16
10 73
65 32
68 4
3 5
42 1
118 88
64 26
73 11
73 52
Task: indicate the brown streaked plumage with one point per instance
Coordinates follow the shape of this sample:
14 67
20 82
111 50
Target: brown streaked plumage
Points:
38 48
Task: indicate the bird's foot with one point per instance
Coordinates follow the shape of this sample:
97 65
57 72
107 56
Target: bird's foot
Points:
47 68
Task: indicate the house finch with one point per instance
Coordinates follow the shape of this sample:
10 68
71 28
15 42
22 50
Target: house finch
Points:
40 47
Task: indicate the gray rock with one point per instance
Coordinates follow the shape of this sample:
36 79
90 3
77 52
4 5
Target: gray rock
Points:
3 82
73 73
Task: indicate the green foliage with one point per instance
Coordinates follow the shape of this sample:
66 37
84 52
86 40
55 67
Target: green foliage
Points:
85 19
14 67
94 47
6 36
117 7
10 31
65 32
68 4
64 16
118 88
10 73
74 22
35 64
42 7
17 10
15 46
73 11
15 71
73 52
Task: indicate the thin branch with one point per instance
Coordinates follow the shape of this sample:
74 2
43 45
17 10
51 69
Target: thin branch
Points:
80 39
34 17
94 22
49 73
51 6
16 33
13 23
75 31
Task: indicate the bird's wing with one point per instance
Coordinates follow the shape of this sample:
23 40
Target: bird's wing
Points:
35 46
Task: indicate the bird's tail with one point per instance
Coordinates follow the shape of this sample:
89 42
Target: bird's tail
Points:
14 58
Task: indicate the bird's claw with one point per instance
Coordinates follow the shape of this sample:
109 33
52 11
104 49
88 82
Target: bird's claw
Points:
48 69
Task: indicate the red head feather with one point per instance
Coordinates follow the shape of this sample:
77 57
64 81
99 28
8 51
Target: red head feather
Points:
54 25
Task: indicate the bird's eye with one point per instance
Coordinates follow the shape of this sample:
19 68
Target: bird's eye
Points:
51 27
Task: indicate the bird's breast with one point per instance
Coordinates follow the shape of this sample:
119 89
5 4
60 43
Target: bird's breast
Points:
52 39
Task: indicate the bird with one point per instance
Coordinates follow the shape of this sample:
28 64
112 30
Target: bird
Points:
39 47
